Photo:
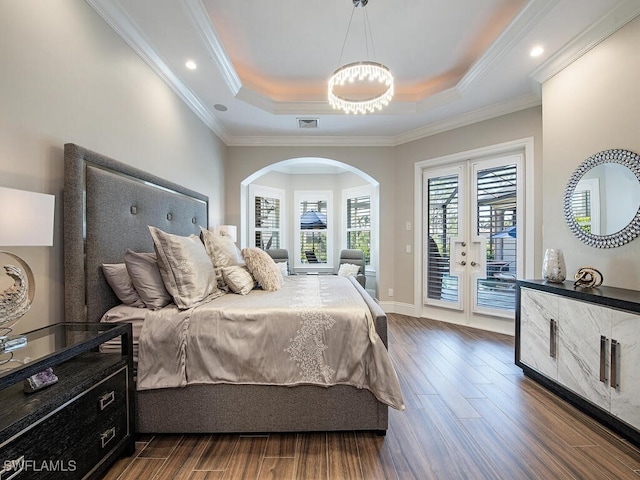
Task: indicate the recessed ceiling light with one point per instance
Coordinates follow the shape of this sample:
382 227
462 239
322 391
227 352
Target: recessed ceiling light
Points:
536 51
191 65
221 108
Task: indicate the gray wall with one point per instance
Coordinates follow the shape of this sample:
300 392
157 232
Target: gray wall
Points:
67 77
592 105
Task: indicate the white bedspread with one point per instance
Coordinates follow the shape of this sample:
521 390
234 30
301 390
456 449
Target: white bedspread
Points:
316 330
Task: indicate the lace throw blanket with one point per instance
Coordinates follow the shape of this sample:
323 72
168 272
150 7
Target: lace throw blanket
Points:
316 330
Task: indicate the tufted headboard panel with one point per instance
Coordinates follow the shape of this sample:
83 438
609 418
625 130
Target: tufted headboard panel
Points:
108 207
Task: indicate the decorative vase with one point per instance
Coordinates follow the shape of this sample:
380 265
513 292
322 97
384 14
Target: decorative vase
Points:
554 269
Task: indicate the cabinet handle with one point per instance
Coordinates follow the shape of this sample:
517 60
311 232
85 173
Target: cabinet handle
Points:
614 363
603 355
12 466
553 328
107 436
107 400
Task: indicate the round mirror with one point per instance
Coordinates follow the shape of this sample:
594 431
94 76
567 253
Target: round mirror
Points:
602 199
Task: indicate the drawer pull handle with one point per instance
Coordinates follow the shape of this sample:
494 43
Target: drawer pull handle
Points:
553 338
603 355
614 363
107 400
107 436
12 466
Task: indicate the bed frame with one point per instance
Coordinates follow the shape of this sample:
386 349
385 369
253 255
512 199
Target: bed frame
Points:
107 208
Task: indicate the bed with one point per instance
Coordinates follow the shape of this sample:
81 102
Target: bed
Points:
108 206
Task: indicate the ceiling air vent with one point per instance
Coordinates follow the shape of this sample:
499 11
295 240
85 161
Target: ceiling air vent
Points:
307 123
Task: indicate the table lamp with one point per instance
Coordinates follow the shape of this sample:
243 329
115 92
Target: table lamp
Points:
26 219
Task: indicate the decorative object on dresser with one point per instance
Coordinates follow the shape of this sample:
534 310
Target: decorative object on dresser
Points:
554 269
602 199
26 219
584 345
77 427
588 277
229 230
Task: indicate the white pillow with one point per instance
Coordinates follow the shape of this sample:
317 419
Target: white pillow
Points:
185 267
283 268
348 270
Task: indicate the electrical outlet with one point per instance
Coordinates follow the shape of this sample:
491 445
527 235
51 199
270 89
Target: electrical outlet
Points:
391 292
408 226
407 248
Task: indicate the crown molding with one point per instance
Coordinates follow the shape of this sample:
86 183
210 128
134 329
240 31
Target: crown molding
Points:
515 105
128 30
526 19
592 36
199 18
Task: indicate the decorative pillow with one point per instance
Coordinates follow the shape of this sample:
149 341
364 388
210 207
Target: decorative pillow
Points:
145 276
185 267
120 282
282 266
239 279
263 268
223 252
348 270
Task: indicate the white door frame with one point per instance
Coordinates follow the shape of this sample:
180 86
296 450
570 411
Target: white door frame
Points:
521 146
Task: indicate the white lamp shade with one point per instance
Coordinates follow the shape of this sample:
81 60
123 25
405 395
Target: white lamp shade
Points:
26 218
230 230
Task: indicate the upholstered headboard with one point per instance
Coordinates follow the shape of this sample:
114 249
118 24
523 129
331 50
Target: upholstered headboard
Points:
108 207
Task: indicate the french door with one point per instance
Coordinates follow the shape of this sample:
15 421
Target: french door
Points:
472 239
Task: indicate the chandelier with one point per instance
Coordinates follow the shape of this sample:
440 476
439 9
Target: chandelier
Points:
365 73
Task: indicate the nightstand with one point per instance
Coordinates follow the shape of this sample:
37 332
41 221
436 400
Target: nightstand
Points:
78 426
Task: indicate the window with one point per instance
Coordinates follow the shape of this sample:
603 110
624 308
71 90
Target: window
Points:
358 210
313 222
266 218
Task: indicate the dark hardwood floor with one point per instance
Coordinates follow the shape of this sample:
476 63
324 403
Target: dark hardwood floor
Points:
471 414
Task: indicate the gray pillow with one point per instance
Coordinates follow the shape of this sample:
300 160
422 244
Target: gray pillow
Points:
145 276
185 267
263 268
120 282
239 279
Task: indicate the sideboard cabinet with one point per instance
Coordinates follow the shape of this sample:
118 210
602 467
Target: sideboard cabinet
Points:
583 344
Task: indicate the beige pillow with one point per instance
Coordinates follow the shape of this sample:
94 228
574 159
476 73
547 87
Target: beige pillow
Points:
120 282
185 268
145 276
239 279
348 270
263 268
222 251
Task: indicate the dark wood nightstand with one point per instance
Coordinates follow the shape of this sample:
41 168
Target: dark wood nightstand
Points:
77 427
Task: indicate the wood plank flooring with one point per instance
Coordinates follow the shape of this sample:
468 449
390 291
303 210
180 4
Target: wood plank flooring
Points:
471 414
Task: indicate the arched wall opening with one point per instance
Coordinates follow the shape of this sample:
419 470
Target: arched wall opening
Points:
301 176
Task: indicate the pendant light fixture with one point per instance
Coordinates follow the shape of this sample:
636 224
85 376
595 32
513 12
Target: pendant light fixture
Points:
363 74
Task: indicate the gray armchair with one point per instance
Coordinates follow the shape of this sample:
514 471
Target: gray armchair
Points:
280 255
354 257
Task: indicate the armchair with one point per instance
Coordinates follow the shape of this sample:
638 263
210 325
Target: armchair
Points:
354 257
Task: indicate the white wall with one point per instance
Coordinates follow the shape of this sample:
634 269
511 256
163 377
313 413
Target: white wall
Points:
67 77
591 106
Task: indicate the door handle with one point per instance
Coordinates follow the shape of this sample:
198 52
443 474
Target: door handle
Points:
463 263
553 345
473 264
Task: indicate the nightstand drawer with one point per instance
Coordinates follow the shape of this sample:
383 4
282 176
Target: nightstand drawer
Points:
72 440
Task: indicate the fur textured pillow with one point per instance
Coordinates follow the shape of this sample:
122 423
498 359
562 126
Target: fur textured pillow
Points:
263 268
348 270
